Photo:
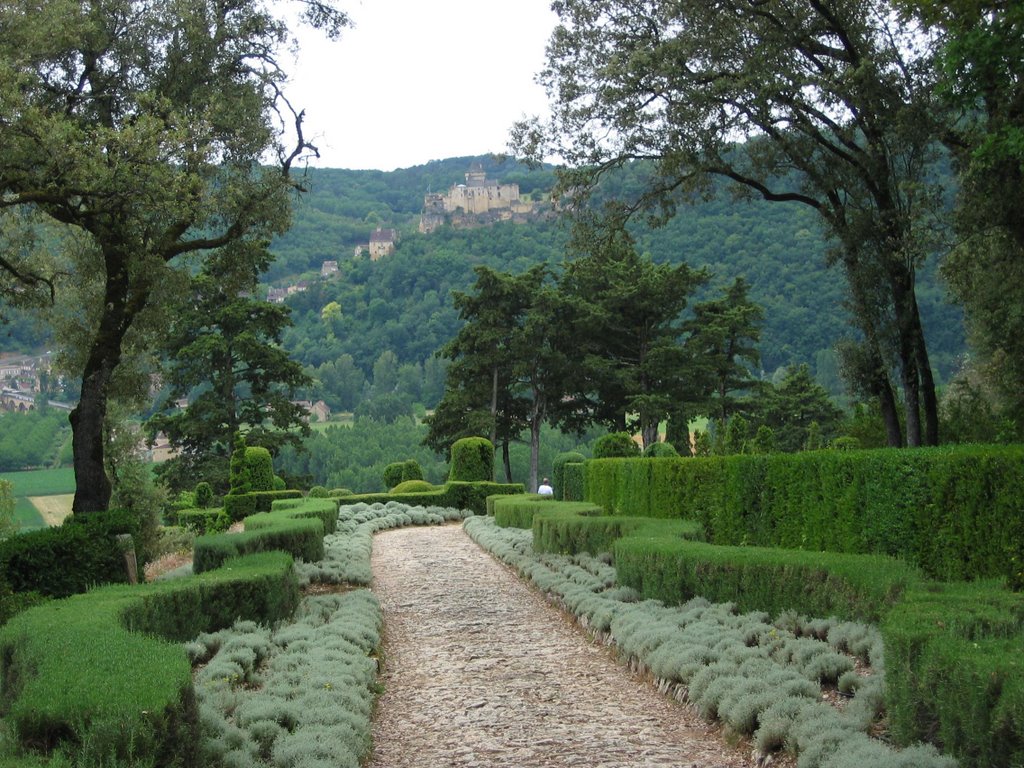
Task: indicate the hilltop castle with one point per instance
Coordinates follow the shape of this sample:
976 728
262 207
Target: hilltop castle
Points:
475 203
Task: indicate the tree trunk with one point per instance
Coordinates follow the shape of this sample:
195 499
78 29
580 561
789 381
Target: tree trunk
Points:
929 400
882 388
88 418
911 403
890 413
92 488
506 460
536 417
901 282
494 409
649 432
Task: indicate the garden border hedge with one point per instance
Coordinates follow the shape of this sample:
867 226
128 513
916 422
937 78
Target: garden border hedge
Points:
296 526
69 558
454 493
955 670
569 531
852 587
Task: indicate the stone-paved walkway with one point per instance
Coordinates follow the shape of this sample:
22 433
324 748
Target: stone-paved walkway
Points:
481 671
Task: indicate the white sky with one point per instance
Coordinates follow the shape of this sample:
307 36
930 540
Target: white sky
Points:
416 80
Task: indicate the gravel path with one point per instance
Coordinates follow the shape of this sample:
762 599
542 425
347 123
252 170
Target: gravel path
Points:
481 671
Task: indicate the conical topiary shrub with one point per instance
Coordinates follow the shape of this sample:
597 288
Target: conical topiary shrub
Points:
261 469
472 460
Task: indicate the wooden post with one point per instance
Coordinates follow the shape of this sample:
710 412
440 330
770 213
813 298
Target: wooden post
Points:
127 545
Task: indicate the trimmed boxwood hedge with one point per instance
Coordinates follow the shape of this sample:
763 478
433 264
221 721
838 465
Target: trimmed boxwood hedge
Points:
69 558
518 511
575 527
674 570
296 526
954 512
100 672
400 471
240 505
204 521
265 499
558 472
573 482
260 466
615 444
955 671
458 495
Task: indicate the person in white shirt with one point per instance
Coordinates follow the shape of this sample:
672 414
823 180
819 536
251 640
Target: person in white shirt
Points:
545 488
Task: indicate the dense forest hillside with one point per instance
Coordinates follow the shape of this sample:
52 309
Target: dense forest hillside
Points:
402 302
399 308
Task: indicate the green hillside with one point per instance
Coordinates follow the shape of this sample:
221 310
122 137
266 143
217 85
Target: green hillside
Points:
402 302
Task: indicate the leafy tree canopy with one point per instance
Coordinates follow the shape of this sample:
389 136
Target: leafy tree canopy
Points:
140 129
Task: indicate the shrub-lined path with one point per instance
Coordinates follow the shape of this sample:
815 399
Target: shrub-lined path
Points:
480 671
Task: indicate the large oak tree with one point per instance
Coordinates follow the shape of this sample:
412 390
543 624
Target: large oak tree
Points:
979 53
826 103
156 133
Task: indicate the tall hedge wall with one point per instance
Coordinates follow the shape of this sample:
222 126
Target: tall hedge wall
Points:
957 513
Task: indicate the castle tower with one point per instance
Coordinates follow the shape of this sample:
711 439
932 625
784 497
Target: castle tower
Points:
476 176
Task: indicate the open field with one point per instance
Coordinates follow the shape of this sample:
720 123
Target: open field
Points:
41 482
37 483
53 509
26 514
337 420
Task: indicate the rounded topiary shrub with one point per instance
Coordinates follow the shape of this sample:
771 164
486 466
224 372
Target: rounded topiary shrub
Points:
558 471
337 493
472 460
393 474
411 470
203 495
412 486
318 492
615 445
261 469
280 484
660 450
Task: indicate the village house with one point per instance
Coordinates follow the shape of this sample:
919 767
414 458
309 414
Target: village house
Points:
382 243
318 411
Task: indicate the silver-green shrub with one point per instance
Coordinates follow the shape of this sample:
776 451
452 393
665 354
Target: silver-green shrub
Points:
299 696
347 550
